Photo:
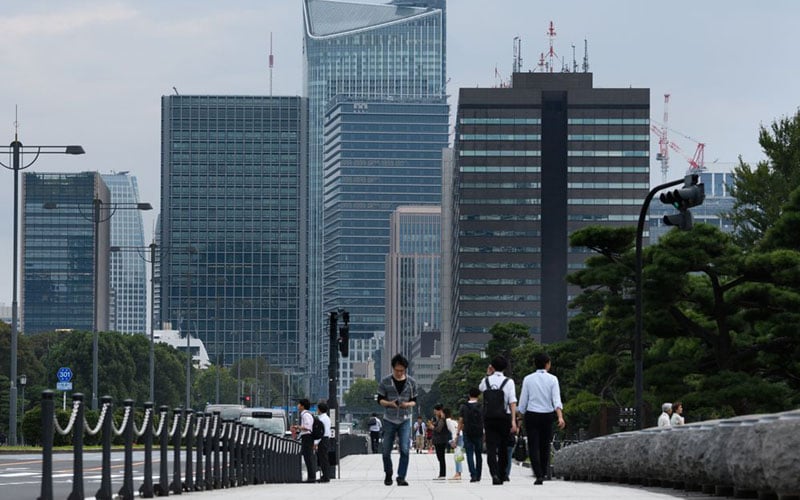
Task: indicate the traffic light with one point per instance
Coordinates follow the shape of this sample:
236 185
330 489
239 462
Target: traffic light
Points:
690 195
246 400
344 334
332 326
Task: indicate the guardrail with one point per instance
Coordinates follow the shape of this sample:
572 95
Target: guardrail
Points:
744 456
226 453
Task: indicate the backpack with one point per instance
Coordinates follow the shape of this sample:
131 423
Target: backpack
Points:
372 421
317 429
473 420
494 401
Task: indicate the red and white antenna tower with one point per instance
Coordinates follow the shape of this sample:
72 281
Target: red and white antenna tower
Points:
551 54
696 162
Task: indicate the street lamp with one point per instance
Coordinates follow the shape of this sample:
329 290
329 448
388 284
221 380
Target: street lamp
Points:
152 261
17 151
97 207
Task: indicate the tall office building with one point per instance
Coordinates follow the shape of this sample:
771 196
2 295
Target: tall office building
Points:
364 51
413 270
717 204
128 265
58 261
233 225
535 162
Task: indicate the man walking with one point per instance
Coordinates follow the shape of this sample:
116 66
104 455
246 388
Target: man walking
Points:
499 408
323 444
470 426
539 401
306 441
375 427
397 393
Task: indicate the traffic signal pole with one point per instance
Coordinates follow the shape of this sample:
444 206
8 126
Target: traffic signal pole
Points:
637 334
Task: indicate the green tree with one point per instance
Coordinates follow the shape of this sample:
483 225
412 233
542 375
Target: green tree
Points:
761 191
360 398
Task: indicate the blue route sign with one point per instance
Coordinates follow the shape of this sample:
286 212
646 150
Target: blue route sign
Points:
64 374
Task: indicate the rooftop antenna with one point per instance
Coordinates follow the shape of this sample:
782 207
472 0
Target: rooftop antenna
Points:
585 56
176 90
551 54
517 54
16 121
271 63
574 62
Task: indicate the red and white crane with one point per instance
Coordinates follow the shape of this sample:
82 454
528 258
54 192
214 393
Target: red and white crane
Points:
696 162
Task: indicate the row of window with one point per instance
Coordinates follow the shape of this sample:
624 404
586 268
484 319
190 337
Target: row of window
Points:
507 169
500 185
500 137
504 298
608 121
500 249
499 265
500 201
501 217
604 201
608 185
499 314
500 121
500 234
608 137
500 281
640 153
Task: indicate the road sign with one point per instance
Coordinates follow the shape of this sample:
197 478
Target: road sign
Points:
64 386
64 374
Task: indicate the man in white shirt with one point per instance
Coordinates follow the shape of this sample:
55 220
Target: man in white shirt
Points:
539 401
322 445
664 418
500 426
677 414
306 442
375 427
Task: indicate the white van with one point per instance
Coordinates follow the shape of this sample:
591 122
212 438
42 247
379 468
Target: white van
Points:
226 411
270 420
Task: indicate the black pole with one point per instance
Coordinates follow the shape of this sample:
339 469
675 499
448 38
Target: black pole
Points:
333 376
48 413
163 440
189 481
637 335
77 450
176 487
147 486
104 493
16 148
126 492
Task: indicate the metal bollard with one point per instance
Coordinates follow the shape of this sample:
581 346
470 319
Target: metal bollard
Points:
48 414
104 493
146 489
176 487
198 480
188 484
126 492
210 436
77 450
163 440
215 449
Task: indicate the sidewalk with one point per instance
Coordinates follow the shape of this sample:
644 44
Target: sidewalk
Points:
362 478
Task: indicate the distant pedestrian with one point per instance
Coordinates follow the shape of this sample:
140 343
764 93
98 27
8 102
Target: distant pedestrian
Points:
419 435
499 408
375 427
677 414
397 393
455 442
323 444
664 418
441 438
539 401
470 426
306 441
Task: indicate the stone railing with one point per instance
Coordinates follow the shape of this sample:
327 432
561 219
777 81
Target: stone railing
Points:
748 455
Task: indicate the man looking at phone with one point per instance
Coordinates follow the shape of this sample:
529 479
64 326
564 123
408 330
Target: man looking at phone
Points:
397 393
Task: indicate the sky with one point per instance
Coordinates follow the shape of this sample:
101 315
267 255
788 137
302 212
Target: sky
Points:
91 72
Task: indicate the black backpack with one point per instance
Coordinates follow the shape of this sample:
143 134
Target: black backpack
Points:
372 421
473 420
494 401
317 429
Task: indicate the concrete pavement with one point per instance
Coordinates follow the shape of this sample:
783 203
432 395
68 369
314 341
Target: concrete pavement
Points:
362 478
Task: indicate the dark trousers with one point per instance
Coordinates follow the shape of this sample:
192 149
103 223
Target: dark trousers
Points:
322 458
375 438
307 446
539 427
473 447
497 432
440 449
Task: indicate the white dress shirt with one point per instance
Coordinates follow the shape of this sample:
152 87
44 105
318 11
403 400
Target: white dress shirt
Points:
326 422
540 393
663 420
306 422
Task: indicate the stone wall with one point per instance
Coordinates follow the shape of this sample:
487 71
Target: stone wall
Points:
753 454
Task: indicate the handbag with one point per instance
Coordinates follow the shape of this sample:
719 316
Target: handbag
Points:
520 449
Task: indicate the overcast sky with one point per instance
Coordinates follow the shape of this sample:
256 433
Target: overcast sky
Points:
92 72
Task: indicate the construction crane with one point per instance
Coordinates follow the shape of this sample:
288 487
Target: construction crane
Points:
696 162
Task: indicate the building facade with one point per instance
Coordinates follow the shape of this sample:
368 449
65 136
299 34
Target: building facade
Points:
58 260
535 162
413 272
128 265
233 225
363 51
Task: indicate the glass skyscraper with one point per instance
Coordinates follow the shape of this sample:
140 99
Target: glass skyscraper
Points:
233 225
58 266
362 51
128 266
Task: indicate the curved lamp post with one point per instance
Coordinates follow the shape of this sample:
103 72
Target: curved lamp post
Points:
17 151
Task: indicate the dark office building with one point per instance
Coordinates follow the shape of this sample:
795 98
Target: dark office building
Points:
233 225
534 162
58 261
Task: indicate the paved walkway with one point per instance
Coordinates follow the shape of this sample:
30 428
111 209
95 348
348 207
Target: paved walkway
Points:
362 478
